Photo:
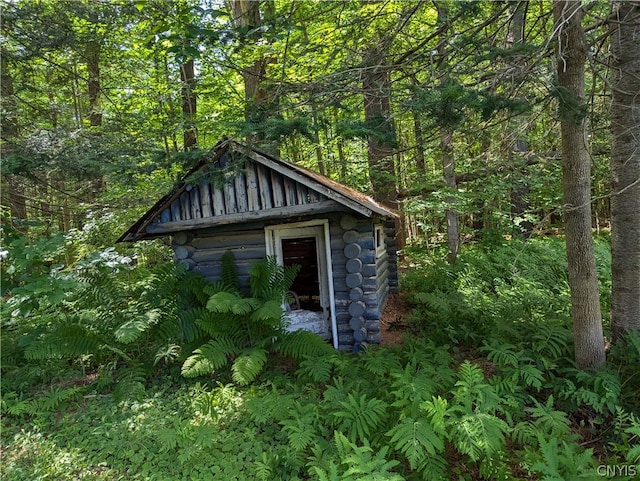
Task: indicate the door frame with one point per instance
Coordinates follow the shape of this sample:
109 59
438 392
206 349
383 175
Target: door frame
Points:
319 229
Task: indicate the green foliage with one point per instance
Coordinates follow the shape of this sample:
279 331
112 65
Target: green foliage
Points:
560 460
424 410
357 463
244 330
360 416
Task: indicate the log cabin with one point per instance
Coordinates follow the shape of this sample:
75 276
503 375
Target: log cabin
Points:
240 199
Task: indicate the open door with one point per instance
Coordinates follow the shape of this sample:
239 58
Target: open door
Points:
307 244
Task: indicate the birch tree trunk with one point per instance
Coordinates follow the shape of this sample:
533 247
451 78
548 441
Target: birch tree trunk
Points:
625 168
576 183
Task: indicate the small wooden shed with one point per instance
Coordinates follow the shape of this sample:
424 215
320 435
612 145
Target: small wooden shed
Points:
257 205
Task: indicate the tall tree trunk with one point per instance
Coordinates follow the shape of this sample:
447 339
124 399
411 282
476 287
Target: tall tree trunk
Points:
93 69
518 144
446 148
15 197
576 182
625 168
258 103
316 137
187 76
449 175
377 114
92 51
419 136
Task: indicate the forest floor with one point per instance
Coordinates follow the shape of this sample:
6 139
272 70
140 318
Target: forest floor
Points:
393 321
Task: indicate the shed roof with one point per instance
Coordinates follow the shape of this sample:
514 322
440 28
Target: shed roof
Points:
236 183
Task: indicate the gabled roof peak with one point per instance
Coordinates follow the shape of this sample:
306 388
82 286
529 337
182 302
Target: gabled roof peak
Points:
236 183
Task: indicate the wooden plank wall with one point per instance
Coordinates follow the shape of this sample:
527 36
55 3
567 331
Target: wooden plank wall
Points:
253 188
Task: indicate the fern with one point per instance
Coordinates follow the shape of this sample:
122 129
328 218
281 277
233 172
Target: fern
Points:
270 407
358 463
301 428
248 365
550 341
561 460
130 384
633 455
416 439
209 357
65 340
381 362
229 276
411 386
479 435
472 392
228 302
546 421
271 281
131 330
300 344
317 368
360 416
167 354
503 354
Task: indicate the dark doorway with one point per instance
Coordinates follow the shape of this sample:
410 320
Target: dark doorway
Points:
303 251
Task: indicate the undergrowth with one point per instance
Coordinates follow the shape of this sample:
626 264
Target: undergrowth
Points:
483 388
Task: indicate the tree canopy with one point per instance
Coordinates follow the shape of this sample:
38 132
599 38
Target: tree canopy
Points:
450 111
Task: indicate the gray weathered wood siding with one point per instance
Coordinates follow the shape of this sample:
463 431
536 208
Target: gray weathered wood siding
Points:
253 188
202 251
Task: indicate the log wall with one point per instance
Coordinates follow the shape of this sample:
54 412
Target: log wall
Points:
362 277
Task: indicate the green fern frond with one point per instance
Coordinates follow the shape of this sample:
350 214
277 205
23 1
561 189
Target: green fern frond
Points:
272 406
188 322
263 469
269 280
381 362
300 344
209 357
359 417
551 339
479 435
416 439
472 392
530 375
503 354
248 365
130 384
633 455
229 276
131 330
361 464
269 311
229 302
68 340
317 368
301 429
167 354
412 385
549 421
196 365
